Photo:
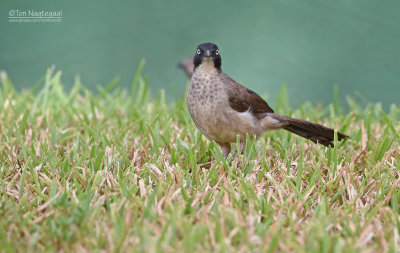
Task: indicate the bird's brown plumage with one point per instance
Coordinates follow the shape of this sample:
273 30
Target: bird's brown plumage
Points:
187 66
223 109
242 99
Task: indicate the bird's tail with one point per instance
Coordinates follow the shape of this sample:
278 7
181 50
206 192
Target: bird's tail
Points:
312 131
187 66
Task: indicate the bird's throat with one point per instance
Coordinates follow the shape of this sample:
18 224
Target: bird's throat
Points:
207 66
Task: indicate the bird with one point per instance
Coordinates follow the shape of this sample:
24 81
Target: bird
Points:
187 66
223 109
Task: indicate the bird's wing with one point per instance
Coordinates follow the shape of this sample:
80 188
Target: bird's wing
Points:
242 99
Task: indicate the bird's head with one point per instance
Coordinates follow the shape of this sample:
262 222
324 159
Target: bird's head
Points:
207 53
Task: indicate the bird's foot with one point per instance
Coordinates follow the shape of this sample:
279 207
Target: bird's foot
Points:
225 149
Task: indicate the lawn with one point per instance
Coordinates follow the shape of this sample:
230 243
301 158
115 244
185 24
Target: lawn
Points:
112 170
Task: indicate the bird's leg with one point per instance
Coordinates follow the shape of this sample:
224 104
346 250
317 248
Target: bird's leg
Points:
225 149
242 146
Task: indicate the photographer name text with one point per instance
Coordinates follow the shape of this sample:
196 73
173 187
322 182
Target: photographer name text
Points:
34 13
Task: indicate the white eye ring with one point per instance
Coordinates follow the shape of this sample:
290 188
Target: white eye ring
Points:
198 51
217 52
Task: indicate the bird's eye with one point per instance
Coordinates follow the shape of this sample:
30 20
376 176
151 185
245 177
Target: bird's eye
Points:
198 51
217 52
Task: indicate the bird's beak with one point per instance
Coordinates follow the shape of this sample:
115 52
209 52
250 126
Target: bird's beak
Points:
208 53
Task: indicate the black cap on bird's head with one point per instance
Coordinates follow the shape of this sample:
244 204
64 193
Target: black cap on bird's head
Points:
207 51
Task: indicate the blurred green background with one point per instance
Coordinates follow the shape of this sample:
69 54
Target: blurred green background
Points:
310 45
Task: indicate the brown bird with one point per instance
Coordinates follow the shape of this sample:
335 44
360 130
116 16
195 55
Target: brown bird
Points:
223 109
187 66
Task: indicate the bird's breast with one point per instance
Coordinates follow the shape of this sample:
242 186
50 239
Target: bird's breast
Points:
205 93
206 99
209 107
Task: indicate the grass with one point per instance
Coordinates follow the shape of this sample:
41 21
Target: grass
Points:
113 171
